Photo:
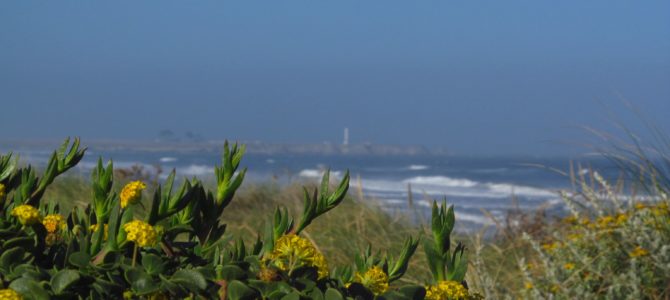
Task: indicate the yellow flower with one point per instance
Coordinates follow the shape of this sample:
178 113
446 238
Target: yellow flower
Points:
621 219
528 285
549 247
640 206
9 294
27 214
131 193
93 228
605 221
291 251
638 252
141 233
570 220
448 289
573 237
374 279
54 222
569 266
2 190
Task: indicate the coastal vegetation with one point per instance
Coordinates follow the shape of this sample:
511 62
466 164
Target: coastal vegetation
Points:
114 235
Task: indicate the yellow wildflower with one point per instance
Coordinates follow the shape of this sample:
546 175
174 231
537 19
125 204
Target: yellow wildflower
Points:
93 228
605 221
640 206
528 285
291 251
569 266
141 233
660 209
131 193
549 247
27 214
638 252
374 279
621 219
573 237
448 289
54 222
9 294
570 220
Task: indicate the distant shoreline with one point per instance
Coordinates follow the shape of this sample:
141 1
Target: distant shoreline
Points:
253 147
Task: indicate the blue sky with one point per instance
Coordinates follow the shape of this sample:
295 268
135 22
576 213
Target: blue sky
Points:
480 77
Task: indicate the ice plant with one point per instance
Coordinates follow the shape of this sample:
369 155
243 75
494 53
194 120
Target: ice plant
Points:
131 193
447 290
9 294
53 223
292 251
180 248
374 279
143 234
27 214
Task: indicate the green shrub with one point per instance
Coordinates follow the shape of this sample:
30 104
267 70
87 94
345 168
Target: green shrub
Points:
178 248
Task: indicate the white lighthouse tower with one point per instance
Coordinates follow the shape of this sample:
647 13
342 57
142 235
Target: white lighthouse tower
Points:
345 142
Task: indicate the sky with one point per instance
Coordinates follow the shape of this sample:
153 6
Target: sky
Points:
476 77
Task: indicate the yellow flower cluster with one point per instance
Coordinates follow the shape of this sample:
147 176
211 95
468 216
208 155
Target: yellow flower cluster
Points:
374 279
291 251
93 228
638 252
131 193
54 222
2 190
9 294
141 233
610 222
27 214
447 290
549 247
569 266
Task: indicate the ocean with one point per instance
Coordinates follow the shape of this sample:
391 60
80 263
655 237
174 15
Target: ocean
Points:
475 185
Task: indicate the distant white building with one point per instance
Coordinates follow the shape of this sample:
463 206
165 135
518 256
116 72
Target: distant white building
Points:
345 142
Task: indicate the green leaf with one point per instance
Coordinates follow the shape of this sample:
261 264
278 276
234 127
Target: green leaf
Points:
29 289
63 279
232 272
393 295
80 259
22 242
10 258
153 264
238 291
140 281
191 279
333 294
292 296
414 292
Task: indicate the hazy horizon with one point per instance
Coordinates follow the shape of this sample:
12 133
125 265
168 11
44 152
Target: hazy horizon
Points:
513 77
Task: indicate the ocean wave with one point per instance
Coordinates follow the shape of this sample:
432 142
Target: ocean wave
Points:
440 181
417 167
196 170
455 187
318 173
167 159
